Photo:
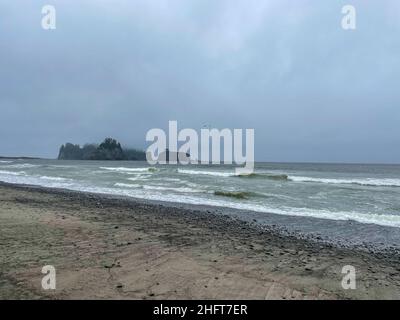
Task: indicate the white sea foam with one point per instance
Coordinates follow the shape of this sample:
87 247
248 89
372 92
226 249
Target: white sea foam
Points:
138 177
265 175
127 185
384 182
129 170
5 161
22 178
59 166
22 165
362 182
54 178
13 173
384 219
169 179
209 173
380 219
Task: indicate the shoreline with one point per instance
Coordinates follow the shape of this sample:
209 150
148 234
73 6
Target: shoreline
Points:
125 248
346 234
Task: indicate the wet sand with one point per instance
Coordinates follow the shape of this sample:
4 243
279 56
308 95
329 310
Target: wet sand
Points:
105 247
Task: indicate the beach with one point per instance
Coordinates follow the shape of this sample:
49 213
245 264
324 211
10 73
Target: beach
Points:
113 247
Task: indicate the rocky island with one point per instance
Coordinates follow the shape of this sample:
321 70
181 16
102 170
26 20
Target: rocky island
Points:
109 149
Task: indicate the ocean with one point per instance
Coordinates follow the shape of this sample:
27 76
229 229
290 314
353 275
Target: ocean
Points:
368 194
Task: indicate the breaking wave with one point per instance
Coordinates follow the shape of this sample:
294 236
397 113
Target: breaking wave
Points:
22 166
271 176
208 173
54 178
278 177
126 185
130 170
362 182
13 173
372 182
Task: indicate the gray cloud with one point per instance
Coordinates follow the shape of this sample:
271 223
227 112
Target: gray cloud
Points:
312 91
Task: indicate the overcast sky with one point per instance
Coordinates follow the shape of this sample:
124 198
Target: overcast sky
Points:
311 90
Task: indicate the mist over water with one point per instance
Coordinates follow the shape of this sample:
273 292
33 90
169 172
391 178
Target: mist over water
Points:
364 193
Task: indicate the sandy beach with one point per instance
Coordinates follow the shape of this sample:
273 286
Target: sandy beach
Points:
105 247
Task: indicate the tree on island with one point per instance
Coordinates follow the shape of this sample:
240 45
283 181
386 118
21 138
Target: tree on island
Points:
70 151
109 149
